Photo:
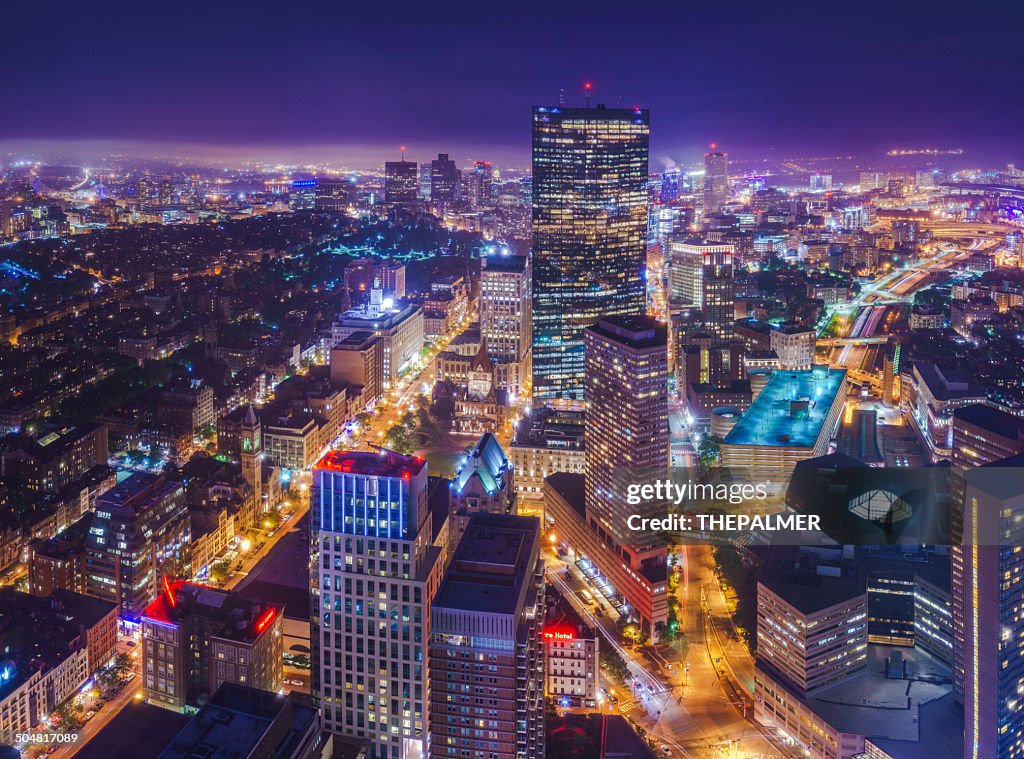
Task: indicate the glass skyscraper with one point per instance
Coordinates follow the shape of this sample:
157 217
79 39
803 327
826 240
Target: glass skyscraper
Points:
589 234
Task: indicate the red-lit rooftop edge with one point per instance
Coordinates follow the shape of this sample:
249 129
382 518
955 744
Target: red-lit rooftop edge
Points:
383 463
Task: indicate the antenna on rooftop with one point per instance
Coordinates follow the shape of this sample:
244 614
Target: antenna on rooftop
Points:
561 97
586 89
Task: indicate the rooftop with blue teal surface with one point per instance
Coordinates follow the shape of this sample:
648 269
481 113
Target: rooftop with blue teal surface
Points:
790 410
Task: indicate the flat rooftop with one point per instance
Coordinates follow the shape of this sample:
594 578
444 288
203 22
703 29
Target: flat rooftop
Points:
811 581
238 721
990 419
490 564
138 492
239 618
790 410
384 463
636 331
879 707
506 263
139 731
547 428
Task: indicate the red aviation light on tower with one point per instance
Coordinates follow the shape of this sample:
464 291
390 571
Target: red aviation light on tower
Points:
265 619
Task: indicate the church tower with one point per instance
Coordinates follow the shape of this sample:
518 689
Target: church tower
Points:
251 469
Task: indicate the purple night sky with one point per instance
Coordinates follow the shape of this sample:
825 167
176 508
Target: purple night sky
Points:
359 79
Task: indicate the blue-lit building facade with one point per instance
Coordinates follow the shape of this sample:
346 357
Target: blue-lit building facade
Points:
589 234
373 575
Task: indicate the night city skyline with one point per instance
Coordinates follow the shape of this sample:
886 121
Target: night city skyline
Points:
521 381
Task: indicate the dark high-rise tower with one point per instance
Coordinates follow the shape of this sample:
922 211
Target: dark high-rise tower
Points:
444 181
486 655
627 414
716 181
401 182
589 234
988 609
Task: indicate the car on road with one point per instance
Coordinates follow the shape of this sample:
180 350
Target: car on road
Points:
665 749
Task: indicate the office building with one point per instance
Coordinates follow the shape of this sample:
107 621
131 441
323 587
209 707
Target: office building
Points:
293 441
401 182
988 628
627 414
821 183
701 275
506 301
392 278
931 393
480 185
445 179
139 537
334 194
55 458
545 441
626 440
303 195
589 234
794 345
484 484
196 637
356 363
716 182
486 654
983 434
398 327
374 573
812 621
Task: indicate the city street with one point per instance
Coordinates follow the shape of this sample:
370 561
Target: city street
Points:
681 700
108 711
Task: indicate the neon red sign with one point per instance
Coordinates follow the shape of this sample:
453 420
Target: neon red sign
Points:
266 619
559 635
170 593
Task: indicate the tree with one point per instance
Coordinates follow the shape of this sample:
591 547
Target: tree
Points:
68 716
121 666
670 633
443 411
613 662
397 439
708 450
271 520
106 679
219 571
